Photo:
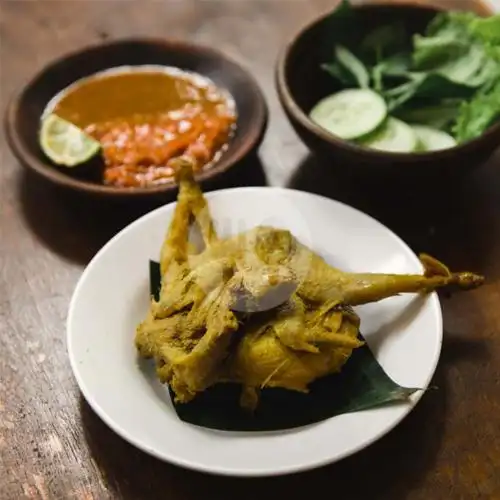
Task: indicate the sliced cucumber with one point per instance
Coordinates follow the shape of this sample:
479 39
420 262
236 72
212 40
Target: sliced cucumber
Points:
350 113
420 147
432 139
394 136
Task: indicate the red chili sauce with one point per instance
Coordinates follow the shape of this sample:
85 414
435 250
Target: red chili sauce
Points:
145 118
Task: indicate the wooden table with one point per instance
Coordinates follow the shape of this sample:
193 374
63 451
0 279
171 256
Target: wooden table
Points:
52 446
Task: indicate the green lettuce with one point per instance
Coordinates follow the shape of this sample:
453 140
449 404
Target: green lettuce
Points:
478 114
457 46
447 76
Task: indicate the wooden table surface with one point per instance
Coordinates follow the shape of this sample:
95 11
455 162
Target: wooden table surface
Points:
52 445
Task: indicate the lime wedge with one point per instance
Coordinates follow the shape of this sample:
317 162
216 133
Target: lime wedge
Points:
65 143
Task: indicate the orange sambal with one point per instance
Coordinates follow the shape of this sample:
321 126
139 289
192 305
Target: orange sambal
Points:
146 117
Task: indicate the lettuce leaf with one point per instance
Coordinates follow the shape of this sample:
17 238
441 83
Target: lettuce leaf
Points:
478 114
347 68
384 42
441 115
429 87
486 29
456 59
457 45
458 56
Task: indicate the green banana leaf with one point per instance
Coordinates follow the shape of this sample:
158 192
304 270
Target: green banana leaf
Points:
361 384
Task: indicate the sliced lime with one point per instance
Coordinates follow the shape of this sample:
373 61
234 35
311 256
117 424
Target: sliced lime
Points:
66 144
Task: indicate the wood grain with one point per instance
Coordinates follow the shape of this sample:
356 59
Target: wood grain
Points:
52 446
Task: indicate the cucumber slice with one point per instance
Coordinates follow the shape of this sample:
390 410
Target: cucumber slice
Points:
420 147
394 136
432 139
350 113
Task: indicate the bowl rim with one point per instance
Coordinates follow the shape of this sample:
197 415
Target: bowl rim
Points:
290 105
232 156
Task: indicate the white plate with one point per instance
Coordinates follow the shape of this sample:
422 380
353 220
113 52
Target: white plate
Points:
111 297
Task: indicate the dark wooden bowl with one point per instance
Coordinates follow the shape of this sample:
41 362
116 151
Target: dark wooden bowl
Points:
301 83
22 118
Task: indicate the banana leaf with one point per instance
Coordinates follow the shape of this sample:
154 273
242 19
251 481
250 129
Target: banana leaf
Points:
362 384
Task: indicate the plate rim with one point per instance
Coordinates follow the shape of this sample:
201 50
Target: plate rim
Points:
432 298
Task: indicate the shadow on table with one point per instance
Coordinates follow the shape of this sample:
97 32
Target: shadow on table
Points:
389 469
463 347
76 226
454 221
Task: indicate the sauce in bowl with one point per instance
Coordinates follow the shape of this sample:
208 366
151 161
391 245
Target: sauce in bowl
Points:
145 116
